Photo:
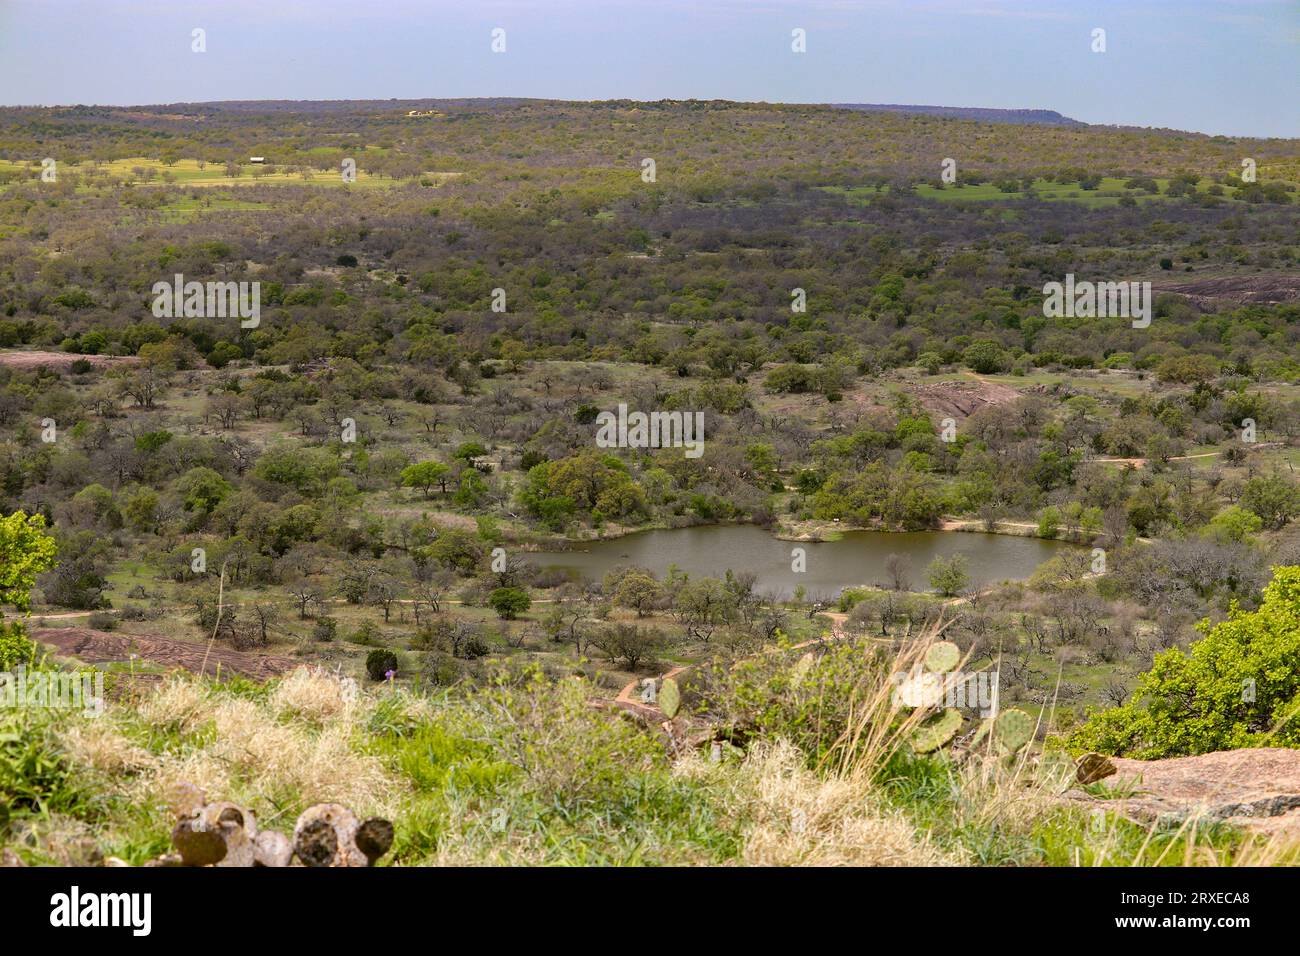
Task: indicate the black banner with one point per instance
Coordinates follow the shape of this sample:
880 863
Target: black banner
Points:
180 905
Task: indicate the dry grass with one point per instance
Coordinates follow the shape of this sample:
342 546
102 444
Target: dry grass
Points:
801 818
310 737
292 749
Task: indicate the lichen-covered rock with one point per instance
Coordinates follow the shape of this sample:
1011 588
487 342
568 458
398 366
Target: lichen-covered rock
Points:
217 834
1255 788
325 835
1093 767
272 849
375 838
226 834
197 845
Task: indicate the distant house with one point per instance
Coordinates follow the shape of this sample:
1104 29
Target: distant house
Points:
257 160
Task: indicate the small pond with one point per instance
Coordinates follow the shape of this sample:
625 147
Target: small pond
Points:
855 559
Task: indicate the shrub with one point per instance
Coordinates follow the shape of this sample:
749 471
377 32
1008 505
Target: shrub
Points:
851 597
631 644
326 629
379 662
15 648
476 646
1236 687
985 357
440 669
948 576
509 602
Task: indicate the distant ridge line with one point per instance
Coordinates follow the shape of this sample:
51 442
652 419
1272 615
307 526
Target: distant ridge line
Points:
1015 117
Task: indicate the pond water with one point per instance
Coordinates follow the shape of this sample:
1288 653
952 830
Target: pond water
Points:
857 558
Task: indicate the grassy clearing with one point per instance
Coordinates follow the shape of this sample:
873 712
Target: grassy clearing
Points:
139 171
190 208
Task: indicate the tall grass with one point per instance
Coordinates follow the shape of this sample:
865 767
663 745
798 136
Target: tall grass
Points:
523 771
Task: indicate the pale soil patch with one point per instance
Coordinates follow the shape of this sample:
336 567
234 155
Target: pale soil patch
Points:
1241 290
100 647
61 361
962 399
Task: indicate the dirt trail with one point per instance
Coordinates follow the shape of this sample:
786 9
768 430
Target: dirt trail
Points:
101 647
1142 462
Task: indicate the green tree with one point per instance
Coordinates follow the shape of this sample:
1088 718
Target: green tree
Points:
509 603
470 452
948 576
1233 523
141 509
635 588
1236 687
1274 498
25 551
985 357
424 475
202 489
379 663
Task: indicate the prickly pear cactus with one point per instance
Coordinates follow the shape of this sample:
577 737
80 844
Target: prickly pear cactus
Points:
936 731
1055 771
1013 729
919 690
942 657
670 698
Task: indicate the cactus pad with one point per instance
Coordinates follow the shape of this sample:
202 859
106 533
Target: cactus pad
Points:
942 657
1013 729
670 698
919 690
936 731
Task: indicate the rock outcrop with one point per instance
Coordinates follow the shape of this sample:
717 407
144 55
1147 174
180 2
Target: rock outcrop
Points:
1258 789
225 834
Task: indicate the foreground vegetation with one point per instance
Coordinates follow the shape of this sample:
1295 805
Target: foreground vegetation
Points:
524 771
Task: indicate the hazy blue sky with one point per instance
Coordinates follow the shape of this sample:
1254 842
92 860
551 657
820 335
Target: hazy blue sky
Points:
1218 66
